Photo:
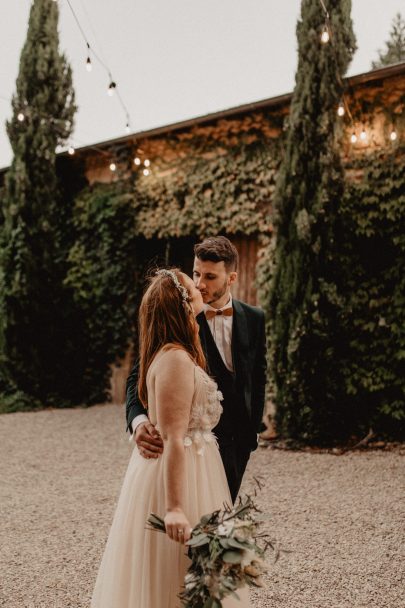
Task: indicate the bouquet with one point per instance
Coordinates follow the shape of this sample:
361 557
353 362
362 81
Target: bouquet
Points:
226 552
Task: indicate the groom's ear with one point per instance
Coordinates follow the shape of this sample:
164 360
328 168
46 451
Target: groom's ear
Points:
232 277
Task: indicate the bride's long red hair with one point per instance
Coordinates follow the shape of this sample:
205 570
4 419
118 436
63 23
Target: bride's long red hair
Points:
165 318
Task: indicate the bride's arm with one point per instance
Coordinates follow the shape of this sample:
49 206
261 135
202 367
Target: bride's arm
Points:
174 388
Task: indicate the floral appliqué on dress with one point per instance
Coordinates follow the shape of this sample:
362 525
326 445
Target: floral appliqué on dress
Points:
206 410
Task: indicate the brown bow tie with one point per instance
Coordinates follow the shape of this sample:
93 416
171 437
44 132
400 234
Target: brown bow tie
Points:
210 314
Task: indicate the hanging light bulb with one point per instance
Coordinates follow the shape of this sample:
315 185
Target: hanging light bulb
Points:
146 172
89 65
111 88
393 135
127 128
113 167
71 150
325 37
353 138
363 135
147 163
137 161
341 109
20 117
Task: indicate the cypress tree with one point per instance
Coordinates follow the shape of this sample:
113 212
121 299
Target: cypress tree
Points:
305 301
33 304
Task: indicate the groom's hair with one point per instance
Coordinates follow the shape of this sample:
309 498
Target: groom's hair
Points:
218 249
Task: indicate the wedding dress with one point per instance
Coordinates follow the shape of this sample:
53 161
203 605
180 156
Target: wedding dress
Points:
141 568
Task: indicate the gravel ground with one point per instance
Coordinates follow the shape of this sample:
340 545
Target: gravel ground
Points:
342 517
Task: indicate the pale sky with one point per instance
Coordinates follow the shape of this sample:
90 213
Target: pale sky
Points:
176 59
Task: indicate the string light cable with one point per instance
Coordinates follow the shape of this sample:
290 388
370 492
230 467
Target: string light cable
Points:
112 87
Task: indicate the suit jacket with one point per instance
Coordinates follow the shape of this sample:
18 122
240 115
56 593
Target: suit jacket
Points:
249 360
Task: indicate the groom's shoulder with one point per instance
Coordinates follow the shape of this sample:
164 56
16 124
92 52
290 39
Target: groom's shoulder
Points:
249 310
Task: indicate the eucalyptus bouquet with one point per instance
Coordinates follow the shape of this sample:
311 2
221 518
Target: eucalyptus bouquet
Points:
226 552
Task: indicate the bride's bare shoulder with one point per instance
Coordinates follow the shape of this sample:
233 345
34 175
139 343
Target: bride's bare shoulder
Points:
174 359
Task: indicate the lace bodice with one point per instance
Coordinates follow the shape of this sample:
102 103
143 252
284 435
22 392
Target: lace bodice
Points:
206 410
206 407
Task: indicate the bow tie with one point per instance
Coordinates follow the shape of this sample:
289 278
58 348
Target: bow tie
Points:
210 314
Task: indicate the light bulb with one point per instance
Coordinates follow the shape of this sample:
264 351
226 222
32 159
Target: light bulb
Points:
393 135
363 135
147 163
71 150
137 161
353 138
20 116
325 35
127 127
146 172
111 88
113 167
341 109
89 65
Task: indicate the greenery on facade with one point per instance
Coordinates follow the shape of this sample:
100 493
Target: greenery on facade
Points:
35 349
305 298
373 318
121 227
103 276
395 46
227 193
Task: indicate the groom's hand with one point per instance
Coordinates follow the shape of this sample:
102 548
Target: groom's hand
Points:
148 440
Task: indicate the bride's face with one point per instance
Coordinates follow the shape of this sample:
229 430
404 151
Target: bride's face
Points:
196 299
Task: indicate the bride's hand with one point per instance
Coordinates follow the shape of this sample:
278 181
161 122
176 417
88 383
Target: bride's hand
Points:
177 526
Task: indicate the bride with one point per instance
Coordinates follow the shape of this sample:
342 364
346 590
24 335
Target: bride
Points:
141 568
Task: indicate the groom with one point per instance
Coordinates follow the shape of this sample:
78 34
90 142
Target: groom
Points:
232 335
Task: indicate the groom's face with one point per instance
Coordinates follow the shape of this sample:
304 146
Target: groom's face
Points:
214 281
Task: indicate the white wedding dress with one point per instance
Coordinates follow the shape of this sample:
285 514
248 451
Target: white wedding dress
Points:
141 568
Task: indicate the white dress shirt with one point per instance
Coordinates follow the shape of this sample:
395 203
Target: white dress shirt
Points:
221 329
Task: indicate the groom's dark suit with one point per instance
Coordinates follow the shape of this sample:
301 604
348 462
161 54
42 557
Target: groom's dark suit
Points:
243 389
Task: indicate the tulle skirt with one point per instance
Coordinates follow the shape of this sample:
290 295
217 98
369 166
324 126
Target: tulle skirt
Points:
142 568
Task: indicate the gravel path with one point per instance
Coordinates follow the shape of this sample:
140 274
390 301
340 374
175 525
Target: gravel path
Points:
61 471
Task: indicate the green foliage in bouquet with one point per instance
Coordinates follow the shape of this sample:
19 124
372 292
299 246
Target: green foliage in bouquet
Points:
226 551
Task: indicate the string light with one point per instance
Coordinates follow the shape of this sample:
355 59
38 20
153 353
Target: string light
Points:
111 88
137 161
341 109
147 163
393 135
353 138
363 135
71 150
113 167
20 116
146 172
325 36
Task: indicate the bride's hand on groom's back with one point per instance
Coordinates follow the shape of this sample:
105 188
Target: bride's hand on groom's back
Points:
148 440
177 526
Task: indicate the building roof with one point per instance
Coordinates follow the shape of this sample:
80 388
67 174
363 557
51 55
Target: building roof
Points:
265 104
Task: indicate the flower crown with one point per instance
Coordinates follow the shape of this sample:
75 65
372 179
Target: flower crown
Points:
183 291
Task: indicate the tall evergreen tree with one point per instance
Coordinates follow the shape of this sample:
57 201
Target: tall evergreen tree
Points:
33 305
304 297
395 46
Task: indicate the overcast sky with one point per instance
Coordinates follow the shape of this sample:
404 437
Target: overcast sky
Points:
176 59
